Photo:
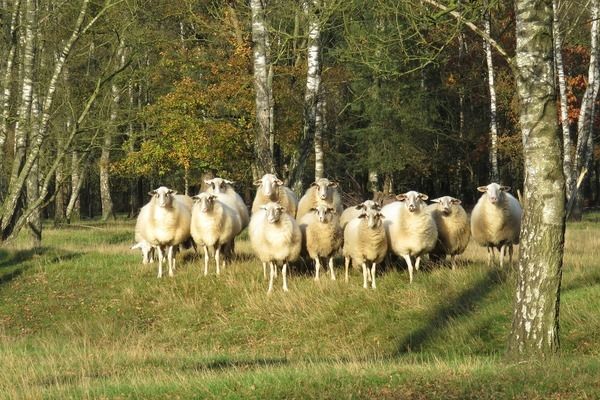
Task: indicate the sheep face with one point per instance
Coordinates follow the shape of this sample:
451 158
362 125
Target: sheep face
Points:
164 196
205 201
324 213
373 218
369 205
273 212
324 187
494 192
218 185
412 200
445 204
269 183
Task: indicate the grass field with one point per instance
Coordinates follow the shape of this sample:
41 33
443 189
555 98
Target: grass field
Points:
83 318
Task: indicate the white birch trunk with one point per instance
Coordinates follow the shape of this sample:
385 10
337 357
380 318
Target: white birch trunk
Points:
494 171
73 211
5 91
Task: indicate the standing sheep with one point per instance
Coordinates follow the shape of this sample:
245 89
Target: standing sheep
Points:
271 189
365 241
355 211
214 224
225 192
323 235
140 236
167 224
453 227
410 228
321 191
275 238
496 221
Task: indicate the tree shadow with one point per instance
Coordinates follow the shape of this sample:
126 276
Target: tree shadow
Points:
14 263
581 282
461 305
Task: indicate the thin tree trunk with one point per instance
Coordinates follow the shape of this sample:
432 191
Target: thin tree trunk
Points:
564 108
5 94
494 171
34 221
264 157
585 119
320 124
535 324
74 206
461 103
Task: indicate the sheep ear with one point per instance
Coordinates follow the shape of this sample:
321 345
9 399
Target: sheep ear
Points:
363 215
380 215
333 184
455 201
314 184
196 198
257 182
436 200
482 189
331 210
312 209
279 182
401 197
505 188
227 181
208 181
361 206
173 192
212 197
283 209
423 196
152 192
263 207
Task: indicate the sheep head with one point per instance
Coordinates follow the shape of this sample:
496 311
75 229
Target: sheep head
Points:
205 201
373 217
324 187
273 212
369 204
445 203
218 185
163 196
495 192
413 200
269 183
324 213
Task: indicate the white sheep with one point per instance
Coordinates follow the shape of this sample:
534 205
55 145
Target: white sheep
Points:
355 211
275 238
214 224
167 224
147 250
496 221
453 227
321 191
271 189
365 241
225 192
323 236
140 237
410 228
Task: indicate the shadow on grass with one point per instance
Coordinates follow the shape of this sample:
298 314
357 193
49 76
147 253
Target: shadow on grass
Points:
225 364
581 282
14 263
461 305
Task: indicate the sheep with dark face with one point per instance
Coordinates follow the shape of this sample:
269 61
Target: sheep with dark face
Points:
453 227
275 238
271 189
321 191
323 236
365 242
496 221
167 224
225 192
214 224
355 211
410 228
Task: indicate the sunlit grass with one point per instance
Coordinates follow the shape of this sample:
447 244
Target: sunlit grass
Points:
84 318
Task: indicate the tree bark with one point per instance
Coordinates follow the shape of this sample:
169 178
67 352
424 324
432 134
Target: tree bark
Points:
263 88
586 114
74 206
5 93
535 324
494 171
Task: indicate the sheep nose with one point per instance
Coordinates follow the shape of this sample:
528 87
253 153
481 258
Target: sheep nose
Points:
411 207
493 199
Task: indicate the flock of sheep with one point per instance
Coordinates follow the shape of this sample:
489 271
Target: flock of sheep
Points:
282 229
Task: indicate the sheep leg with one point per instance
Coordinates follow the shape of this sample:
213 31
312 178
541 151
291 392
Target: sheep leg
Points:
417 263
510 255
160 261
205 260
346 264
171 261
284 275
373 269
218 259
410 267
331 268
272 275
453 262
317 267
502 249
364 267
490 250
264 270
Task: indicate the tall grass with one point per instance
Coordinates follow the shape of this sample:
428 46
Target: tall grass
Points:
83 318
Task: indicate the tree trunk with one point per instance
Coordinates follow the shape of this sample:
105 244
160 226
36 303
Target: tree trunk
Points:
320 125
564 108
264 157
494 171
586 114
34 221
535 324
6 81
74 206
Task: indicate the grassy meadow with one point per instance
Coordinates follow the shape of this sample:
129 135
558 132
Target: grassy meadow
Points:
83 318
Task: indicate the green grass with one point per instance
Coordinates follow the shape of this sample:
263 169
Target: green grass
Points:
83 318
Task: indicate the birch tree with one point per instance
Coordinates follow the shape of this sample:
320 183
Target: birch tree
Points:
494 171
264 89
5 92
535 324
